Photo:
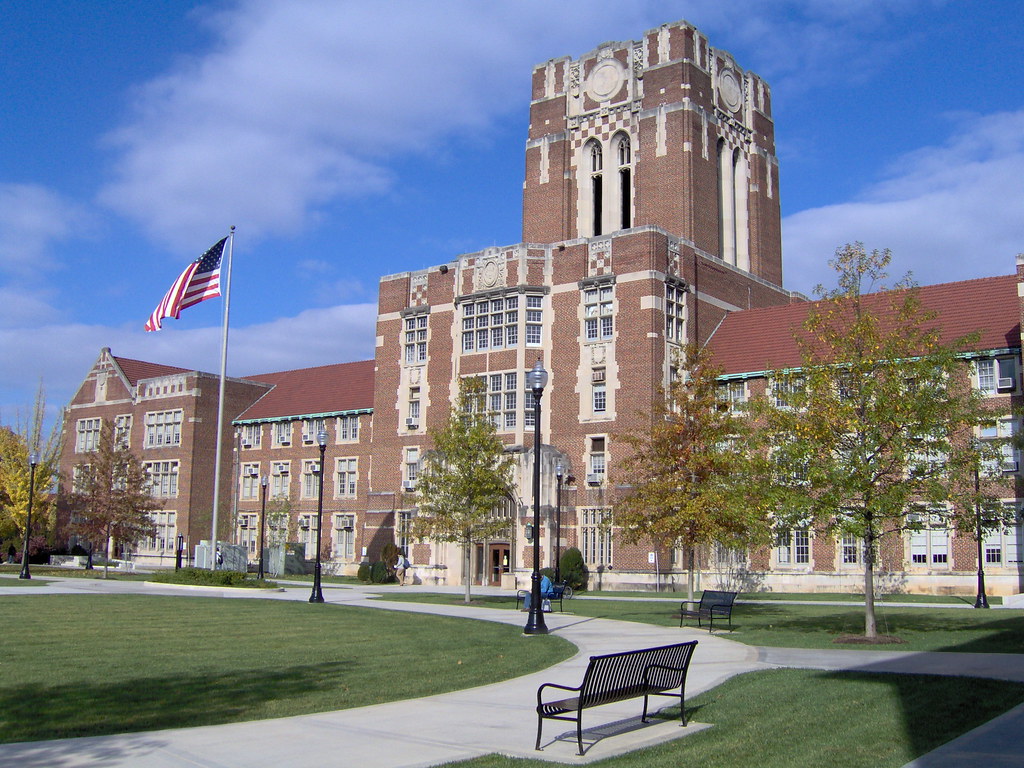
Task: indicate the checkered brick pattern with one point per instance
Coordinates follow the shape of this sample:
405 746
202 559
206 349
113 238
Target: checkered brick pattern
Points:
418 291
599 258
602 125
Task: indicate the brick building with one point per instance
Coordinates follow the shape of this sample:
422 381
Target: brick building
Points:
167 416
650 218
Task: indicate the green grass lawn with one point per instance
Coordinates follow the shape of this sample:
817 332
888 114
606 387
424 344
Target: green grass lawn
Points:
77 665
806 719
810 626
74 573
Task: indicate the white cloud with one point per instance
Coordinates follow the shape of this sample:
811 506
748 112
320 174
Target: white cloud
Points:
32 219
950 212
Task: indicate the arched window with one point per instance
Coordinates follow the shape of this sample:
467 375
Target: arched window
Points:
726 204
596 185
625 158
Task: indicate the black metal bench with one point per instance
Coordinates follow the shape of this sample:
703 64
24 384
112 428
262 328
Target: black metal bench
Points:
619 676
713 603
559 592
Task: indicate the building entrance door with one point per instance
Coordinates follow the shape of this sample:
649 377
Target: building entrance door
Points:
500 563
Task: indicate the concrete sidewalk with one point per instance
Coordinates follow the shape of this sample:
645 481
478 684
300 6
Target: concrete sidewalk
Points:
499 717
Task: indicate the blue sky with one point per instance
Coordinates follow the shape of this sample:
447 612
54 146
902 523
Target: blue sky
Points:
347 140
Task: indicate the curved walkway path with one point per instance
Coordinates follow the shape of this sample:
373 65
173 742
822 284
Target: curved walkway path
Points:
498 717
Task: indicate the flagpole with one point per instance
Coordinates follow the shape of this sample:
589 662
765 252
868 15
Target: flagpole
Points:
220 404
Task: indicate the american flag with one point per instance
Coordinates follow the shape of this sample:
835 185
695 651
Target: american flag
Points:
200 281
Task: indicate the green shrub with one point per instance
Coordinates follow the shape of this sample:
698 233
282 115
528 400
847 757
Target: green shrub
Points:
363 574
204 578
573 569
380 573
549 572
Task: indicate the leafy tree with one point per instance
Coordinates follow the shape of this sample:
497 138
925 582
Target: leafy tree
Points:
465 476
876 425
689 471
110 499
17 442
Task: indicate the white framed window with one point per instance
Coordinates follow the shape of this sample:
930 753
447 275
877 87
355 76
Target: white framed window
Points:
529 408
596 165
785 388
282 432
403 528
675 313
598 317
252 435
122 430
344 537
997 375
163 539
347 429
251 480
415 339
78 474
411 470
597 464
1002 429
793 547
596 535
850 550
599 398
345 474
249 532
534 319
929 545
87 435
414 407
1004 546
307 534
310 478
503 398
311 428
734 393
163 478
280 474
163 428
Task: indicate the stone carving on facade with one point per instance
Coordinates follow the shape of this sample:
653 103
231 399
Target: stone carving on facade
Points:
574 78
489 273
638 60
598 354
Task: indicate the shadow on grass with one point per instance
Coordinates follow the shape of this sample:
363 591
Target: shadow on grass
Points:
37 712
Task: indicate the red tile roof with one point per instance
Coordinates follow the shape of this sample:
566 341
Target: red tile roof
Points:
763 339
139 369
306 391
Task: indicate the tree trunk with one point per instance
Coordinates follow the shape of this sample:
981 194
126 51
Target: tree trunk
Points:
689 577
467 576
107 548
870 628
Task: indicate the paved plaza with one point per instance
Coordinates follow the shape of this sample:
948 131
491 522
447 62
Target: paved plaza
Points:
499 717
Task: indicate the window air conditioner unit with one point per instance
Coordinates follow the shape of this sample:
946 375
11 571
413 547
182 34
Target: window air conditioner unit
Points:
281 471
285 442
595 479
597 376
1009 467
243 523
247 445
1005 383
408 485
253 472
307 440
314 467
304 525
412 423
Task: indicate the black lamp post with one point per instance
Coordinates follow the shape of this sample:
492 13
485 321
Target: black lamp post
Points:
536 380
317 596
33 459
264 481
981 600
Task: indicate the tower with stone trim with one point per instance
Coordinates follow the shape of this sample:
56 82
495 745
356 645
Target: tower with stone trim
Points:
665 131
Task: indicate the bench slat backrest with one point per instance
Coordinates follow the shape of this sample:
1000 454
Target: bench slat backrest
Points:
711 597
612 675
